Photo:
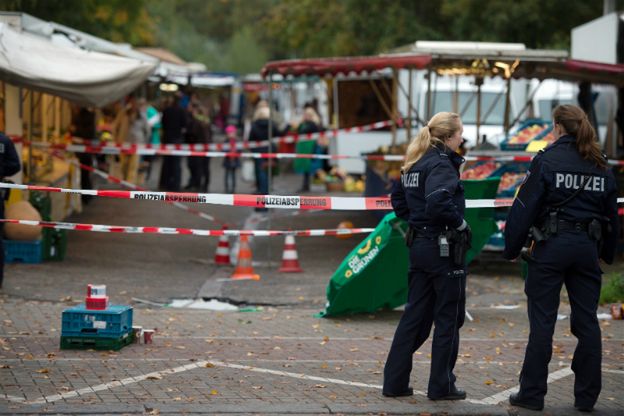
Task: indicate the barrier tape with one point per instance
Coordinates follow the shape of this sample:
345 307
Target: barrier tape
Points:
258 201
168 152
241 200
187 231
114 179
204 147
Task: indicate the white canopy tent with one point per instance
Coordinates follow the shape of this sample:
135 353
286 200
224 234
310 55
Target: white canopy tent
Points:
84 77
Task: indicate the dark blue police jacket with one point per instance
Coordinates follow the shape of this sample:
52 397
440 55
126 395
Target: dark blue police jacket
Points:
430 196
555 174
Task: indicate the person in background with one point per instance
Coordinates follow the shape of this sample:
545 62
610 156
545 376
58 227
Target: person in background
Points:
260 132
138 133
9 165
231 163
174 120
430 197
83 129
153 120
311 124
195 134
202 117
567 205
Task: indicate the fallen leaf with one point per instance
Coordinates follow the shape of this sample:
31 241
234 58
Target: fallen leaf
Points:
488 382
154 377
354 349
51 355
256 387
5 366
324 365
43 371
214 392
209 365
320 386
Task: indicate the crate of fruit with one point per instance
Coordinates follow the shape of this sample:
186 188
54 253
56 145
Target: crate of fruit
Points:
528 130
114 321
479 170
512 175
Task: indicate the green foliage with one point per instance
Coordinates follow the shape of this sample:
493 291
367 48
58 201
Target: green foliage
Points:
612 289
240 35
115 20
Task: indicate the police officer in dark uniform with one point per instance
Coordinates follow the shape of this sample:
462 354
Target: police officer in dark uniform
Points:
9 165
430 197
568 208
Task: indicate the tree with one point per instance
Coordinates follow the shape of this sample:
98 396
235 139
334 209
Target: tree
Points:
115 20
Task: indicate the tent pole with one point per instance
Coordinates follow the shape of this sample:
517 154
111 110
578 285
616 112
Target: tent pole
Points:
336 121
428 94
507 106
269 161
393 99
31 175
478 81
409 105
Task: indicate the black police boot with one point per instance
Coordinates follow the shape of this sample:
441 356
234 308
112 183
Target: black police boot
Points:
408 392
515 400
454 394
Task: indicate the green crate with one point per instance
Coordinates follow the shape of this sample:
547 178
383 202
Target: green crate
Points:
53 244
96 343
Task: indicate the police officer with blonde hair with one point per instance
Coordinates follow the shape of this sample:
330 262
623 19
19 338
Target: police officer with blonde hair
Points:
567 206
430 197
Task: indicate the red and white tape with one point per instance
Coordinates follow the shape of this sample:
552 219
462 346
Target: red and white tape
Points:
257 201
130 148
187 231
114 179
240 200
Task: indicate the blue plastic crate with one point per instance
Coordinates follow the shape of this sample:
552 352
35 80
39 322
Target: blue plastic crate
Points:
112 322
22 251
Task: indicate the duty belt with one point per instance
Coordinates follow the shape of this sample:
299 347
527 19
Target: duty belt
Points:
563 225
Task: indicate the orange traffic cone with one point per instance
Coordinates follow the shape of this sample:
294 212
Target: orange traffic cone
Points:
290 261
222 256
244 268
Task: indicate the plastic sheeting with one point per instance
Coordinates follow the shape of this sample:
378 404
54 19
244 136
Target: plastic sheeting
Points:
87 78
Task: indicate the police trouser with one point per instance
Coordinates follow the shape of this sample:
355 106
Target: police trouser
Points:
435 295
570 258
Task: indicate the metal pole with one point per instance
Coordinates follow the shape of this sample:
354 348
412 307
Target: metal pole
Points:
393 100
456 95
507 106
479 81
409 106
31 175
269 161
336 117
428 94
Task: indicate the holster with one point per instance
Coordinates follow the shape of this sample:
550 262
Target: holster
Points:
410 235
461 243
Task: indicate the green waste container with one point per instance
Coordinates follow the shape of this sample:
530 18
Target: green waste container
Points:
374 274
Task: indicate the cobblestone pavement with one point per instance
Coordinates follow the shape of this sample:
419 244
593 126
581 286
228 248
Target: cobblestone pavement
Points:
279 359
274 360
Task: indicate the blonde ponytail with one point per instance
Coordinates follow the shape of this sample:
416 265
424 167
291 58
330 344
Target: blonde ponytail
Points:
441 126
